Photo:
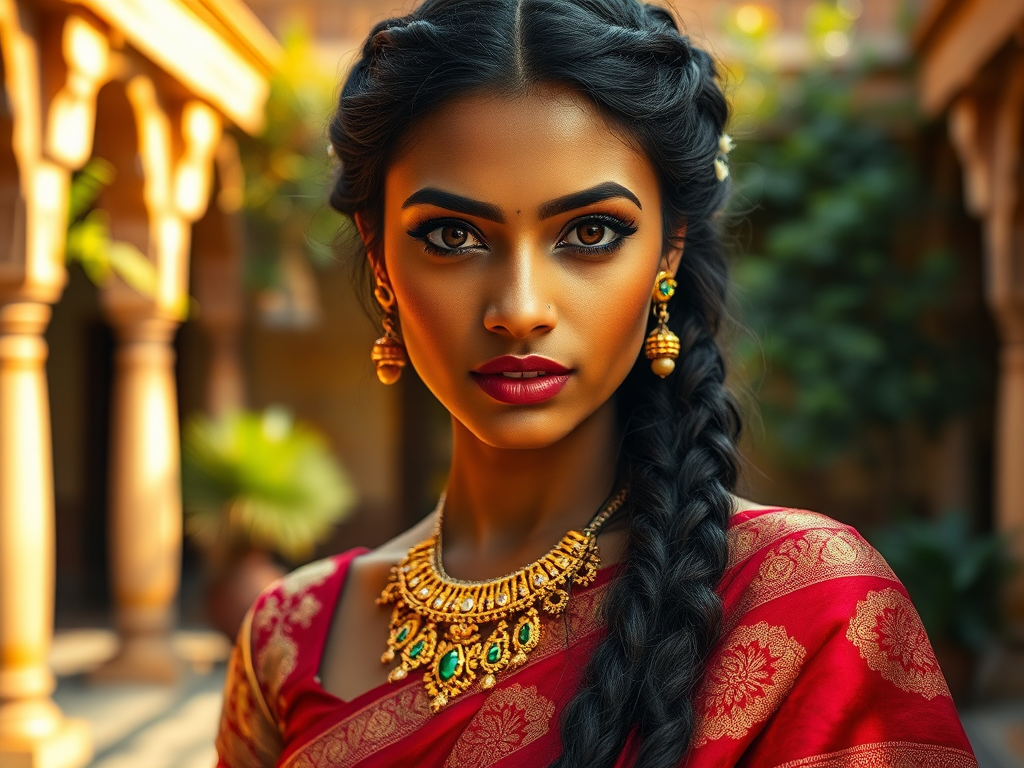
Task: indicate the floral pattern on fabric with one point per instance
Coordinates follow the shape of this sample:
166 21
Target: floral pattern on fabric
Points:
890 754
509 719
751 674
371 729
750 536
287 605
806 559
891 638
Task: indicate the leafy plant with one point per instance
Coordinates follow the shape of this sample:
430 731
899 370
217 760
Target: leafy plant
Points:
260 481
287 169
954 577
88 239
843 297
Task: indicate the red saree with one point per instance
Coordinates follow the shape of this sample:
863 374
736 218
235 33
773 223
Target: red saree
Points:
824 664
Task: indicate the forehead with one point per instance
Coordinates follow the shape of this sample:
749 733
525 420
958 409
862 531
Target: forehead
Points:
518 150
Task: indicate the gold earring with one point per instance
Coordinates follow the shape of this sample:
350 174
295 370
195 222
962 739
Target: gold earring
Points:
662 346
388 351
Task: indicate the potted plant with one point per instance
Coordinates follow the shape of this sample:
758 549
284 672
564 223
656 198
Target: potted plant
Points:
955 578
255 484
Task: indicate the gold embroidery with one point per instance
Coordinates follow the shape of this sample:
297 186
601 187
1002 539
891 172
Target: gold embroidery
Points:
288 604
509 719
245 736
812 557
395 715
891 639
748 537
747 680
372 728
889 754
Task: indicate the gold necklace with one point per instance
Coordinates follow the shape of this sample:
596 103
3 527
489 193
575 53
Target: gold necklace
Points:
436 619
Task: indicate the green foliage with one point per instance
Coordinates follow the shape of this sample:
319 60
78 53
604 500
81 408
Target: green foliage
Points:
837 285
88 239
287 169
954 578
259 480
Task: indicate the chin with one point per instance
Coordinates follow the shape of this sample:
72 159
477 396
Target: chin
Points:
520 430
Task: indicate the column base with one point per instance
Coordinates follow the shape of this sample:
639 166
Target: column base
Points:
142 660
70 746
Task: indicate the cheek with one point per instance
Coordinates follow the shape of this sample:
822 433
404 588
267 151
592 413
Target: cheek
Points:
618 327
436 319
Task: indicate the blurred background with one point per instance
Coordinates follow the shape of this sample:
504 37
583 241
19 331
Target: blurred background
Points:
187 404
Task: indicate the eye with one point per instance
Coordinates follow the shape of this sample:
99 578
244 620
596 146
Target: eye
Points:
596 234
590 234
452 238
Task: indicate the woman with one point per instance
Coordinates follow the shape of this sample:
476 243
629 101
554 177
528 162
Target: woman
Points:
536 184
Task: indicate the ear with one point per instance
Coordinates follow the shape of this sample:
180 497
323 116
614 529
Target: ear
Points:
364 232
364 235
673 254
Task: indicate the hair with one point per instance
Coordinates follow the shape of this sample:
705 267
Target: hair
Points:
662 614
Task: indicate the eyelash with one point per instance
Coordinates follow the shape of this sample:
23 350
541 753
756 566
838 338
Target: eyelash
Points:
620 227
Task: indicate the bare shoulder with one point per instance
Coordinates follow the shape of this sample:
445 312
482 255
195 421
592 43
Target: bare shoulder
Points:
371 569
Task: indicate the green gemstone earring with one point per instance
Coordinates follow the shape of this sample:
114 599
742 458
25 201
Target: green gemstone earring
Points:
662 346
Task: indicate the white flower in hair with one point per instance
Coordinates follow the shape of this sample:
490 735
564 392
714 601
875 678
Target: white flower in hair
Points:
726 144
721 169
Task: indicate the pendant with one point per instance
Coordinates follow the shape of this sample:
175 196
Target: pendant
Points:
462 633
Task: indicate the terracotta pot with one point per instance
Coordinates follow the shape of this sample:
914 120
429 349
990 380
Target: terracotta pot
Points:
229 595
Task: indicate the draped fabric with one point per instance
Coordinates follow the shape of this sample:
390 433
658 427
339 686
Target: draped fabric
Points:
823 663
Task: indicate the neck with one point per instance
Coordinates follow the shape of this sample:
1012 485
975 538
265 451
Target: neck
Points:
505 508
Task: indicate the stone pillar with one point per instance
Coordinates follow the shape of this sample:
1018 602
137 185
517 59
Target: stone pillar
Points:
145 500
33 732
1009 490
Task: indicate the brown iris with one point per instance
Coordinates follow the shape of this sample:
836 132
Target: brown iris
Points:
590 234
454 237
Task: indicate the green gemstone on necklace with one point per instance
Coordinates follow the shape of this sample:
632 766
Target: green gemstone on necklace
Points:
447 665
402 634
524 634
416 649
493 653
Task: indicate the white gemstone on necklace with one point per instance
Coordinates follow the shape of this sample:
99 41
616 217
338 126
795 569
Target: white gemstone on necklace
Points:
539 579
467 604
414 581
438 602
502 598
424 592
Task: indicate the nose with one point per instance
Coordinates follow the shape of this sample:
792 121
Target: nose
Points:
522 306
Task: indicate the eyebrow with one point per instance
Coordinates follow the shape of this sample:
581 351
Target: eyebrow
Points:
596 194
491 212
453 202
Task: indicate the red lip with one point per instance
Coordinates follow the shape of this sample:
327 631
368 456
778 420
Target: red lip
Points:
521 391
512 364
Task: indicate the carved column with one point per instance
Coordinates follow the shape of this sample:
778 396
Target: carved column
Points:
52 67
988 135
1004 224
32 730
176 146
217 285
145 499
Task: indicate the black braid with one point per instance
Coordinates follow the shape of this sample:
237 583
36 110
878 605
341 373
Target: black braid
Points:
663 615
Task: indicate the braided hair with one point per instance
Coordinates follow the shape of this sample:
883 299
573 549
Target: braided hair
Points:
662 613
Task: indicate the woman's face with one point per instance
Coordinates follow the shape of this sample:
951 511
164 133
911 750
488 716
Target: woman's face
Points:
522 237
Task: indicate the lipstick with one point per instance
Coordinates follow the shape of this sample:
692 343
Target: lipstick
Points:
521 380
